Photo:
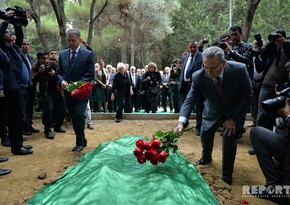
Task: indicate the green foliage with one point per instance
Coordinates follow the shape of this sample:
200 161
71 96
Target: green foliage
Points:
168 140
109 36
73 86
20 3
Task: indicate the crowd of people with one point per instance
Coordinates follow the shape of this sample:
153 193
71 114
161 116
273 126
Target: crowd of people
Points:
220 83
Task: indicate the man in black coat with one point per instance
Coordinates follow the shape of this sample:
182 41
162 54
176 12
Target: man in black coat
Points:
16 81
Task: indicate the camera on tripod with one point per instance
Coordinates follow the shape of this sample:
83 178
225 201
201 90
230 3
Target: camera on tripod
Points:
278 102
19 16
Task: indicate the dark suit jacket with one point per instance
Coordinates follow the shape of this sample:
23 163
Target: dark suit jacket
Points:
196 66
236 95
82 70
13 73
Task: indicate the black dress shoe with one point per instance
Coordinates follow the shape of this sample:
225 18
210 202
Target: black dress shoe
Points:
203 161
60 130
49 135
34 130
27 146
227 180
90 126
77 148
118 120
3 159
26 133
23 151
6 143
4 171
197 132
251 151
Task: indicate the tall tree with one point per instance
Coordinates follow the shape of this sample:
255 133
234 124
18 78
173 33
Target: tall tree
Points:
252 7
58 7
93 18
36 17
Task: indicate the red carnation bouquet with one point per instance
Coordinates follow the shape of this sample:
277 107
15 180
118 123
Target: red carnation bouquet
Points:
80 89
158 149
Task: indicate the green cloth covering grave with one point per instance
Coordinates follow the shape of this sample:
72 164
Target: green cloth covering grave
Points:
111 175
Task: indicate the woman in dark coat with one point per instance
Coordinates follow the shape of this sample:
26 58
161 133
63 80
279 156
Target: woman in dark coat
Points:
122 87
151 83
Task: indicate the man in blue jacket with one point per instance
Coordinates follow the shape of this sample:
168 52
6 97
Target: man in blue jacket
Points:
76 64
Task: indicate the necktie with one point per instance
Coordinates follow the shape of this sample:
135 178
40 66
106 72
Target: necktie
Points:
73 57
219 86
188 70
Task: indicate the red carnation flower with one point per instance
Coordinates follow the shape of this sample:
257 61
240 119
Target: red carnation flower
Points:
141 144
151 154
141 159
162 156
156 144
154 161
138 152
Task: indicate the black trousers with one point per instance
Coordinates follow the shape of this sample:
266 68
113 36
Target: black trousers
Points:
166 94
16 117
31 93
53 106
4 111
120 102
76 109
229 147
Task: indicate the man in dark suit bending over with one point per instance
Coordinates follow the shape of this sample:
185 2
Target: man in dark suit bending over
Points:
227 89
76 64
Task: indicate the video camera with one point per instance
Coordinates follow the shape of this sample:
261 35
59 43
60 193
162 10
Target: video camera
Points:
278 102
259 40
47 67
223 41
276 35
19 16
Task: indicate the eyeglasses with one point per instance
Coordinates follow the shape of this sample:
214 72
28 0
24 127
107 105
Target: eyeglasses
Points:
25 44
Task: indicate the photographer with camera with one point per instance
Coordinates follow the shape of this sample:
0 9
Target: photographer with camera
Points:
174 84
52 96
275 56
16 81
240 51
273 153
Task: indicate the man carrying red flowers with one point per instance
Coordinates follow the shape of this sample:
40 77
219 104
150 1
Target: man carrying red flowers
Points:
76 64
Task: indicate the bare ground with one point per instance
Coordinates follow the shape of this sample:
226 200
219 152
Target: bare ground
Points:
52 157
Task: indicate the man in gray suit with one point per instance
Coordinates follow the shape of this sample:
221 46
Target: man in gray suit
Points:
76 64
227 89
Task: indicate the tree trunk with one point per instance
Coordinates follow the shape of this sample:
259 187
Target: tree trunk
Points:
58 8
252 7
37 21
132 44
93 19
